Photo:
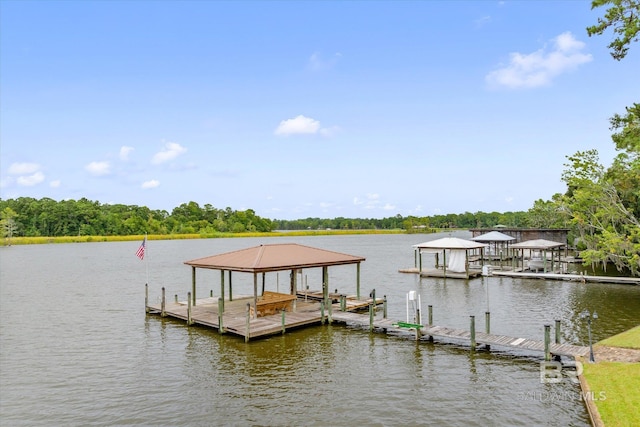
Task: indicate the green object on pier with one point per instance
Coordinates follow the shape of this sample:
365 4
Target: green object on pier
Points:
407 325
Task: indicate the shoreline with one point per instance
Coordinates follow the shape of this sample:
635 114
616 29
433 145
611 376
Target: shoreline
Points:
616 366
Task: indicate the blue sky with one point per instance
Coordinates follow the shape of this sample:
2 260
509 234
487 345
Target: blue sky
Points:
304 109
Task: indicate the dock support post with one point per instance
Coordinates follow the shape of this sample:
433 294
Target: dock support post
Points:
283 321
358 281
473 332
146 297
163 304
487 322
370 316
221 315
557 331
246 333
193 284
373 297
175 298
211 293
343 303
430 315
330 311
384 308
222 286
322 313
487 325
547 342
189 321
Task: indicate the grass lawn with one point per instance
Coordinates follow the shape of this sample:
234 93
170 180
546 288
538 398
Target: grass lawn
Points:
628 339
616 390
616 385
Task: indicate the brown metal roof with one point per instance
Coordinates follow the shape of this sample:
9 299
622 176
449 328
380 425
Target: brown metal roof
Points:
274 257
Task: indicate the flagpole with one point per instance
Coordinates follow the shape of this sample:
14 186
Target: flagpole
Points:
146 261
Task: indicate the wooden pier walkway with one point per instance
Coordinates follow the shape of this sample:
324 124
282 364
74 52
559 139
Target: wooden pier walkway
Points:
569 277
389 326
533 275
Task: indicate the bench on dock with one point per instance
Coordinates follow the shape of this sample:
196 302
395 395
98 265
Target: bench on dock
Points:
274 302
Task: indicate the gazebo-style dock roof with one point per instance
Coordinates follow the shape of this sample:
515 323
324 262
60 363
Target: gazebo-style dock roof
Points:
272 258
541 246
458 265
497 244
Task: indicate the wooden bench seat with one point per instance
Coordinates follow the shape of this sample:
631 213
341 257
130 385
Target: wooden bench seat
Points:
274 302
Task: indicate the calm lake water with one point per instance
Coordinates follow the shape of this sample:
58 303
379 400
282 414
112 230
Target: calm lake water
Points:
76 347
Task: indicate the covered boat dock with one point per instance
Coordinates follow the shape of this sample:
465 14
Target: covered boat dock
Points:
457 257
265 312
541 254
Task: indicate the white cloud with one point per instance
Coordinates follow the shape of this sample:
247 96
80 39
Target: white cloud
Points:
171 151
481 22
317 63
30 180
150 184
540 67
371 201
299 124
54 184
98 168
124 152
389 207
23 168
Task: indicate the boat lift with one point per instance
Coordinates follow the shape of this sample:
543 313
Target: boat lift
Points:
413 300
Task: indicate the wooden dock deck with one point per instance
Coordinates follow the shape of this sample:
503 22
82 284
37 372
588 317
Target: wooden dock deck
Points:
237 318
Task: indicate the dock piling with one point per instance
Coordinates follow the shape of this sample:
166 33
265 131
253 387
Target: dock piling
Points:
163 312
146 297
371 315
487 325
472 328
430 315
547 342
246 335
384 307
557 331
284 321
220 315
189 320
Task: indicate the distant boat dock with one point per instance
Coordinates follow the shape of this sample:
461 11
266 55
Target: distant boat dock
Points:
583 278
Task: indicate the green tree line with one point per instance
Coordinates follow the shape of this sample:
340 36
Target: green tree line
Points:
47 217
26 216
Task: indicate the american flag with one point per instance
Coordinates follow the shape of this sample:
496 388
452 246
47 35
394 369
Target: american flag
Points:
140 252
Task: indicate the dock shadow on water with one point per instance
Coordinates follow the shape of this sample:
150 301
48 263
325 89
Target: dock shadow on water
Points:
77 348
